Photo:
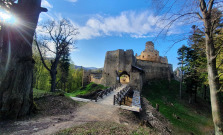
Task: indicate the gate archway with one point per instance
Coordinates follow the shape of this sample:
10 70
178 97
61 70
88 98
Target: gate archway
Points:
124 78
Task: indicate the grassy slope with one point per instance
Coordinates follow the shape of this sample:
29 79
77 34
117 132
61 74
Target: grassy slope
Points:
42 93
85 90
194 118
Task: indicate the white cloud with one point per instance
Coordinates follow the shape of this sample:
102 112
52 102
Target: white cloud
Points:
72 0
129 23
135 24
46 4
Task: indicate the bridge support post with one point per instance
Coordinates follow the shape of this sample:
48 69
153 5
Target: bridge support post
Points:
124 100
114 100
157 107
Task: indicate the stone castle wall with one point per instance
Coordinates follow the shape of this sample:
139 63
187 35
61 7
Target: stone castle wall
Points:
153 70
121 62
86 77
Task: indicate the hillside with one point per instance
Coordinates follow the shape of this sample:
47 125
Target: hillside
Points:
186 118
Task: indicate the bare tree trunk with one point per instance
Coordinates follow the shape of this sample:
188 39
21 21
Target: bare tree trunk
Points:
217 108
53 81
53 73
16 97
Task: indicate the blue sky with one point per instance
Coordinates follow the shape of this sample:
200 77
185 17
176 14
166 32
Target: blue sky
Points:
106 25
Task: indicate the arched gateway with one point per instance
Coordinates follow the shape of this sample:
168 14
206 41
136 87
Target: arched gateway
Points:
136 69
124 78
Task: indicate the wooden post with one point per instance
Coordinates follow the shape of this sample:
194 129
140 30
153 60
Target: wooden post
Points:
124 100
114 100
157 107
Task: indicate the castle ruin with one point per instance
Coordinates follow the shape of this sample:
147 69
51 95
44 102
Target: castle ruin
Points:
124 67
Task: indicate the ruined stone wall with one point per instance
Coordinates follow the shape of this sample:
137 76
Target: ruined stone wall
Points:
96 78
86 77
90 76
163 60
136 81
153 70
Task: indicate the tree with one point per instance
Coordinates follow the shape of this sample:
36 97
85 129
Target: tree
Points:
182 52
74 80
203 10
64 69
16 58
60 36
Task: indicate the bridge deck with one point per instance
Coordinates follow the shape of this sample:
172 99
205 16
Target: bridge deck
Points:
108 100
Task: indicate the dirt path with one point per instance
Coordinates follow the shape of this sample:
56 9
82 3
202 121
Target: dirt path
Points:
89 112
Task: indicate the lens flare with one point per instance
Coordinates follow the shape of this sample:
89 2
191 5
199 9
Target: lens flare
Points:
7 17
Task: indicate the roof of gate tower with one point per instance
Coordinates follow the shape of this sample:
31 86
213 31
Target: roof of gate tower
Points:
150 43
151 54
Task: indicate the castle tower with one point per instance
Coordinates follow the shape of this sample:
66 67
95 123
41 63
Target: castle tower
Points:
149 46
151 54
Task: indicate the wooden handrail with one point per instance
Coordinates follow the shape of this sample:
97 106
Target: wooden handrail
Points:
120 95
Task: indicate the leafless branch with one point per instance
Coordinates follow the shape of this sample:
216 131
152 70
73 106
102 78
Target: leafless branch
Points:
41 56
220 49
175 43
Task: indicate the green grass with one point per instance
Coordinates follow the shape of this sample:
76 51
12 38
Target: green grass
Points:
40 93
86 90
166 95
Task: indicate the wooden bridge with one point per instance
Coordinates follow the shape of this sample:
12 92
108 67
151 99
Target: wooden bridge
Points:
114 96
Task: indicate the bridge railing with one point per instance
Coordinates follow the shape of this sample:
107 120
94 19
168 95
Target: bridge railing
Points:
121 95
105 92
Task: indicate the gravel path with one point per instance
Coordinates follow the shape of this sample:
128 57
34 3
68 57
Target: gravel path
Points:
89 112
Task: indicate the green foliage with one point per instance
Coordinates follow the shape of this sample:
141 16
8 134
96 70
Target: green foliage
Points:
74 80
68 78
165 94
197 60
86 90
63 68
41 76
182 52
218 41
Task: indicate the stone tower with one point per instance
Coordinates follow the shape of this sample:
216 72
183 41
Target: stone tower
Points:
151 54
149 46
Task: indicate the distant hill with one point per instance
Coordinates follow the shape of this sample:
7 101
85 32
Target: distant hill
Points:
86 68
